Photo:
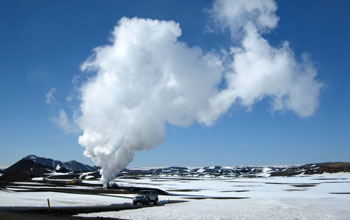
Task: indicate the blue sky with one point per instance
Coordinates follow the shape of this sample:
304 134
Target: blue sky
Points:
44 43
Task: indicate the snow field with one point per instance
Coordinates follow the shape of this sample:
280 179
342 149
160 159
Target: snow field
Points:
273 198
247 209
304 197
39 199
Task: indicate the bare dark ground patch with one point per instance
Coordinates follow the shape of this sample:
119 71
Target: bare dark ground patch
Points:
215 197
296 190
277 183
246 185
240 182
160 180
238 191
294 184
179 179
324 178
184 190
129 177
304 185
340 193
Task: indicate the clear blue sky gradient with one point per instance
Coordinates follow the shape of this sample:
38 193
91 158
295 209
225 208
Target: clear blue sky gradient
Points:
43 43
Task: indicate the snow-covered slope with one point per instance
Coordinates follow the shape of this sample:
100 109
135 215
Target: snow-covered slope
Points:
45 161
76 166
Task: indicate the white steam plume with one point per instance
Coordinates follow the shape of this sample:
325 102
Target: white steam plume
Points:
144 79
147 78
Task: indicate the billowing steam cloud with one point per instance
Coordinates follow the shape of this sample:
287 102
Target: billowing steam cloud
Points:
237 14
146 78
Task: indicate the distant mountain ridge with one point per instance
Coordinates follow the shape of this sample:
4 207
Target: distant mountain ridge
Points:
34 166
241 171
209 171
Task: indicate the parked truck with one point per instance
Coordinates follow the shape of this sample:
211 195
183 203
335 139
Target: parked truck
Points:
146 197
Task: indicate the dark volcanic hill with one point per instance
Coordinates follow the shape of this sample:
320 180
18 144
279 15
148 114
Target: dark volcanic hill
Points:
72 165
23 170
34 166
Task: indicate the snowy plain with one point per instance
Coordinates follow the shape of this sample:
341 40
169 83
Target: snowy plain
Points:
303 197
39 199
313 197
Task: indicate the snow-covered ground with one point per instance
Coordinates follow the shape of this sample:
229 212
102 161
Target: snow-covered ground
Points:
304 197
317 197
255 208
39 199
